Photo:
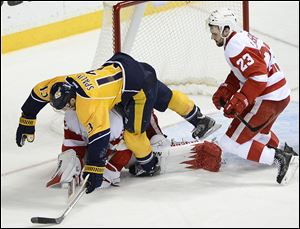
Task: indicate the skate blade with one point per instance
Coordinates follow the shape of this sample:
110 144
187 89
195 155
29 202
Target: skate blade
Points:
294 164
212 130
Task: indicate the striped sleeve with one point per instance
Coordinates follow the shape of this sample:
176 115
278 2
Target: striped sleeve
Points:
97 148
33 105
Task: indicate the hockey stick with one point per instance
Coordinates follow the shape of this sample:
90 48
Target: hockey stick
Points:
45 220
253 129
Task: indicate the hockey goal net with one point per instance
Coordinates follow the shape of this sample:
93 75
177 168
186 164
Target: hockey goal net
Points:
172 36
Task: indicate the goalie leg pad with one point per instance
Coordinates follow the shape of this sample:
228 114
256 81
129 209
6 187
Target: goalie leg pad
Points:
206 155
69 166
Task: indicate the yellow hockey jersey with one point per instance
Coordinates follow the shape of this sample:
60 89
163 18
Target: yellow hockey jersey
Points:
97 92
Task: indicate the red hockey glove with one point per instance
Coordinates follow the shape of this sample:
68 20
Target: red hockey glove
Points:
236 105
222 95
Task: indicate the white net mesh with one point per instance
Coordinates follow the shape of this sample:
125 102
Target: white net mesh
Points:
174 39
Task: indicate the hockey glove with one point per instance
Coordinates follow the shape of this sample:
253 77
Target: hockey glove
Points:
222 95
25 130
96 177
236 105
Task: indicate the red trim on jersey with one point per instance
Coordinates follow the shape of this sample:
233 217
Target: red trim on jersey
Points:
120 159
274 141
252 89
153 128
274 87
255 151
229 38
68 134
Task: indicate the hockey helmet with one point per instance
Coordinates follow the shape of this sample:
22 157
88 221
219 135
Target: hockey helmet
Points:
223 17
60 94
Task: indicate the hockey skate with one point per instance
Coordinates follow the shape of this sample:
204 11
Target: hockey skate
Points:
138 171
289 149
205 127
287 163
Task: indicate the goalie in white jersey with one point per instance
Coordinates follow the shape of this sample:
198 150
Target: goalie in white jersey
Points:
72 158
255 90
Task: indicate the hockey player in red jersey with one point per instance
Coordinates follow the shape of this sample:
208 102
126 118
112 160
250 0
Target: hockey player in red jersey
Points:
72 158
255 90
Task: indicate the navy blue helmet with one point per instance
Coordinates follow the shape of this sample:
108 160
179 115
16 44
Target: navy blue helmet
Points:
60 94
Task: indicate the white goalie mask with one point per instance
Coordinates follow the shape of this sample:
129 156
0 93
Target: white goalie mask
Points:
221 18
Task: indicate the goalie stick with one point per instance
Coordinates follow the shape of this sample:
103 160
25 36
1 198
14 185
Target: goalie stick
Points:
46 220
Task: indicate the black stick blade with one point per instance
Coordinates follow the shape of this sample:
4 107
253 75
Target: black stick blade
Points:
44 220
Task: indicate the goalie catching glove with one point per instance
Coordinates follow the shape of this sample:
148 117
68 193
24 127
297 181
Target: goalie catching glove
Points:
69 166
25 130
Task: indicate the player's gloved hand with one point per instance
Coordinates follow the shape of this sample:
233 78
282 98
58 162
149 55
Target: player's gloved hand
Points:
222 95
236 105
25 130
96 177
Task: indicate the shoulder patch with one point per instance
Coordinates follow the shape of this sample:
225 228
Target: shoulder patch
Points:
44 92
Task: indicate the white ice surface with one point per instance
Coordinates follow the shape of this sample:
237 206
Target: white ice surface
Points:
242 194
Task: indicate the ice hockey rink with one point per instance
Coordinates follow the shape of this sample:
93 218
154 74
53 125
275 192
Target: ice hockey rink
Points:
241 194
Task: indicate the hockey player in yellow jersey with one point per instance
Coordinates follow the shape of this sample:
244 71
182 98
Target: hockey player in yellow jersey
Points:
133 89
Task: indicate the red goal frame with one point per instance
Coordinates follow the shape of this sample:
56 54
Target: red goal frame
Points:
117 23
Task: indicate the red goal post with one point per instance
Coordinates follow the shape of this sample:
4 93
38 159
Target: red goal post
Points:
121 5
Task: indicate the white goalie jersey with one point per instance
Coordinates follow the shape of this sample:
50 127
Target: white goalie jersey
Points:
71 160
73 125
